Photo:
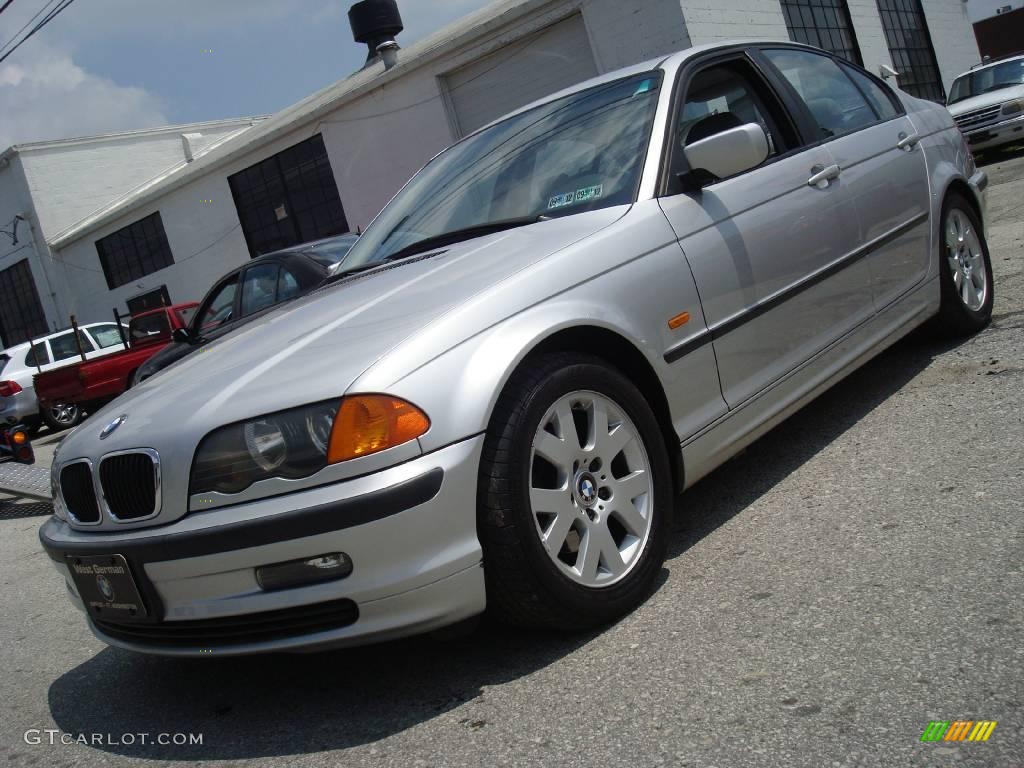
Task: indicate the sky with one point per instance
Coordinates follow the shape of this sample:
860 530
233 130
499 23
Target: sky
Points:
109 65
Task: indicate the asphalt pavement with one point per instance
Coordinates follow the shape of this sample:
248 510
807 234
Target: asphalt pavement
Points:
852 576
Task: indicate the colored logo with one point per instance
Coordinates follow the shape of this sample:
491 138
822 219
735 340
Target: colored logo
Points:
105 587
109 429
958 730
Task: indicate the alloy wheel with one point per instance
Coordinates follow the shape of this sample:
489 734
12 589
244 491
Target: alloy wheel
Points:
966 260
591 492
64 413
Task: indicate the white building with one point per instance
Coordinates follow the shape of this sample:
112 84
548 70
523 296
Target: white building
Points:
329 163
48 187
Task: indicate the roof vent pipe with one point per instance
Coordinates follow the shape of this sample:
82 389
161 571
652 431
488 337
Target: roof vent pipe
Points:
375 23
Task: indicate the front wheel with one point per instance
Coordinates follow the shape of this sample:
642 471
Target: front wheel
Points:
61 416
575 497
965 270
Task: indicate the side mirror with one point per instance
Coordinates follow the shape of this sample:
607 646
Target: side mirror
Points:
727 153
887 72
182 335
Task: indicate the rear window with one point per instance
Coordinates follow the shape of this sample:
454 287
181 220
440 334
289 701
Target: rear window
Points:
186 315
149 327
37 356
106 335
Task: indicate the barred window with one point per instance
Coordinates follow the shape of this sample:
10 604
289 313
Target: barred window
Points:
21 313
138 250
288 199
824 24
910 45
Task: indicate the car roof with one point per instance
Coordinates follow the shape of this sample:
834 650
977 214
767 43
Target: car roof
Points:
25 344
989 65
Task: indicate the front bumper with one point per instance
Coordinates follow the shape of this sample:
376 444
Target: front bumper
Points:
410 532
996 135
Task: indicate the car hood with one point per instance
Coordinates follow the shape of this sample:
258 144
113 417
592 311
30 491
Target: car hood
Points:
314 348
983 100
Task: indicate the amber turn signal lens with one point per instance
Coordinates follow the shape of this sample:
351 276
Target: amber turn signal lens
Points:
367 424
19 438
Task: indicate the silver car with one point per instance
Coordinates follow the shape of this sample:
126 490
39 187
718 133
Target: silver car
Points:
558 325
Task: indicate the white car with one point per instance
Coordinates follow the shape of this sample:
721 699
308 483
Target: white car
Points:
18 403
988 104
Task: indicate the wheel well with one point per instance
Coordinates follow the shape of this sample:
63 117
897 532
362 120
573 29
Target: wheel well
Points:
621 354
962 188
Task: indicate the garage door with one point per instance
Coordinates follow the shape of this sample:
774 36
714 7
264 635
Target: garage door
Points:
529 69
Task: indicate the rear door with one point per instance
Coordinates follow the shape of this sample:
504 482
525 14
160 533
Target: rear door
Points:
874 144
768 248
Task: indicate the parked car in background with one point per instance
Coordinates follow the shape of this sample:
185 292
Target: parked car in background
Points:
988 104
251 290
558 324
20 363
91 384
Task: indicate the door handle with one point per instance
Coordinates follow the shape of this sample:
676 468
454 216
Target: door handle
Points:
908 142
821 176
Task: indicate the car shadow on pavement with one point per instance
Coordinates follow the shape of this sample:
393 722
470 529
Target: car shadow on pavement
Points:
252 707
738 483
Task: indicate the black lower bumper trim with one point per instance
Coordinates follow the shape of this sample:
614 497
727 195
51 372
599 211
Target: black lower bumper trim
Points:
230 631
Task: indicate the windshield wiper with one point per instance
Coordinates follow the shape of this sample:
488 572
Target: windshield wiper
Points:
459 235
439 241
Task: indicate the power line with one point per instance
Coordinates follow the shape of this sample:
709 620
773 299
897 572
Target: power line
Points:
28 23
5 5
46 20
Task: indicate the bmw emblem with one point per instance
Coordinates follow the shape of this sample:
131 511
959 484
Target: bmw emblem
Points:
587 489
112 426
105 587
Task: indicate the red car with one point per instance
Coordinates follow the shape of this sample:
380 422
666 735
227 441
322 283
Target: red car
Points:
93 383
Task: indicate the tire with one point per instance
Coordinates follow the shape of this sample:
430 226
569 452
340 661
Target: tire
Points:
530 583
61 417
964 262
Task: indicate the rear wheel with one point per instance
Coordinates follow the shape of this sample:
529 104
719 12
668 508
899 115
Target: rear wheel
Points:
965 270
575 496
61 416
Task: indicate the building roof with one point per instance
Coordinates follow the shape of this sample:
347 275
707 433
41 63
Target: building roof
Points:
34 146
309 109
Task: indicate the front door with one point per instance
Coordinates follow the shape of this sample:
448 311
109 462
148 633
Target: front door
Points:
768 248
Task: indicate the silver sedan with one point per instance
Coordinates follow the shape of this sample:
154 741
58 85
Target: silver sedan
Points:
558 325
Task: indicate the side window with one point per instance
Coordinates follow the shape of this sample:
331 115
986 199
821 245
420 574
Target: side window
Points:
220 307
64 346
287 285
834 101
877 94
726 96
259 289
37 356
105 335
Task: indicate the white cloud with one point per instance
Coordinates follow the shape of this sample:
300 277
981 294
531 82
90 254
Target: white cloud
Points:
45 95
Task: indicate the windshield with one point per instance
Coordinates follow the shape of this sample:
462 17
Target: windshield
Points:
1004 75
579 153
333 253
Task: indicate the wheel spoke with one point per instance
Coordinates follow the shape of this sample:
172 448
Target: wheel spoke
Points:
632 485
597 546
958 277
630 517
554 537
552 501
965 291
555 450
567 427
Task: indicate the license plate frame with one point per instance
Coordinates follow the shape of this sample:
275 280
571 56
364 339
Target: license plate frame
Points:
107 588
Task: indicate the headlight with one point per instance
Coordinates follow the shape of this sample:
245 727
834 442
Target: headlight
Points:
1013 107
298 443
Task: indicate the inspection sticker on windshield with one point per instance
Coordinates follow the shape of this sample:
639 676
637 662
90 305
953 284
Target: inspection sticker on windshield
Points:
584 195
